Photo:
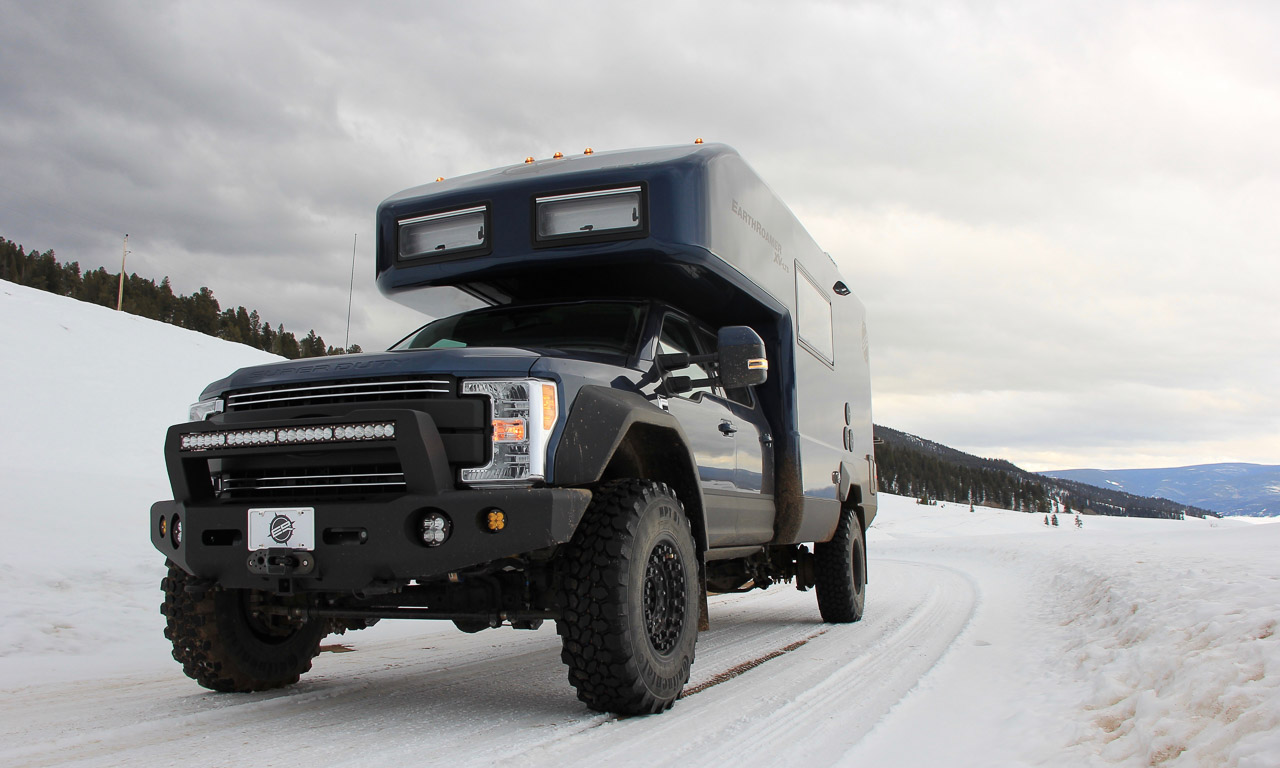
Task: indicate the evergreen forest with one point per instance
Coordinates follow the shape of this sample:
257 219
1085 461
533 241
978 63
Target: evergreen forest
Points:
199 311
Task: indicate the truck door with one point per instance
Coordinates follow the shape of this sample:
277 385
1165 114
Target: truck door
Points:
727 446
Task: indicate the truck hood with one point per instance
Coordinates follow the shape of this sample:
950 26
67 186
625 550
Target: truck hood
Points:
462 361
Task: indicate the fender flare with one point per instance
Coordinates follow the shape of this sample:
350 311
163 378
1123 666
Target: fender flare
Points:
598 422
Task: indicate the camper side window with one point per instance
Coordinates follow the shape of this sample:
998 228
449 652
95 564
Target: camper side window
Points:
814 317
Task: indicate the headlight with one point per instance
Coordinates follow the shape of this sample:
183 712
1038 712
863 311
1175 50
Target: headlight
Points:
204 409
524 414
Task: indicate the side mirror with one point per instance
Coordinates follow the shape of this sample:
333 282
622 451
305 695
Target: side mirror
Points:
742 359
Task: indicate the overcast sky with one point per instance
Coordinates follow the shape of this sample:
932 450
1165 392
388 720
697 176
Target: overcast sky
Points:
1064 218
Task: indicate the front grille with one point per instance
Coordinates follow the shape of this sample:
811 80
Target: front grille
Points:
310 482
339 392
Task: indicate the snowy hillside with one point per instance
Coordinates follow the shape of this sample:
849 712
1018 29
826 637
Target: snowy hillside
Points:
86 394
1250 490
989 639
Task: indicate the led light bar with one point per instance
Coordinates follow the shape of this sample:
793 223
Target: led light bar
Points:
250 438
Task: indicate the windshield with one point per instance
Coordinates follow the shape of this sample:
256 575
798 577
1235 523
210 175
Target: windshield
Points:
609 327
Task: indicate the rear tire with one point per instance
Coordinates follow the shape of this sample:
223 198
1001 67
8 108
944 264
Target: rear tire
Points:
225 644
841 566
629 598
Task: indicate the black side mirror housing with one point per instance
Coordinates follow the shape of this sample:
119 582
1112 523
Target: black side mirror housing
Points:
742 358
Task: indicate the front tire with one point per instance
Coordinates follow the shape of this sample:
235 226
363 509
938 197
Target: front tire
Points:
226 643
629 598
841 566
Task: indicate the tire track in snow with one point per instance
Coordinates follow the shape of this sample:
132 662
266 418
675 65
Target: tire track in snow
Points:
480 699
810 704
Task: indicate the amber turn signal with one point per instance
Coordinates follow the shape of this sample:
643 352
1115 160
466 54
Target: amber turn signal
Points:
495 520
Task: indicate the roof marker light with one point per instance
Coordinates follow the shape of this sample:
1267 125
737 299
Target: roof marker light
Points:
558 155
528 160
698 140
588 151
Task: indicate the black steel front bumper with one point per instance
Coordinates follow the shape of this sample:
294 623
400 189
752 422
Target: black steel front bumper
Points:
359 544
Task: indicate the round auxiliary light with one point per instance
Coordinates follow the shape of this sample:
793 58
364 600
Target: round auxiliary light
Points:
390 431
175 532
435 528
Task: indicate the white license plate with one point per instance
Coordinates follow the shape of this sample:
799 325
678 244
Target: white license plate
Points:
288 528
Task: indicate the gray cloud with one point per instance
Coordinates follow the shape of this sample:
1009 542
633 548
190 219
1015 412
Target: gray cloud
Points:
1060 215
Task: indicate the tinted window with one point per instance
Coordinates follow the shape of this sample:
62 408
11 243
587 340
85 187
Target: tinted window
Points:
608 327
814 317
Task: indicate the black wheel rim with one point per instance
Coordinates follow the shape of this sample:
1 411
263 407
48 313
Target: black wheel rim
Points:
664 598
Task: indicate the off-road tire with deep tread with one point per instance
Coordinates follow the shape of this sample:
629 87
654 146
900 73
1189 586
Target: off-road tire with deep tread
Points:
629 599
841 571
219 647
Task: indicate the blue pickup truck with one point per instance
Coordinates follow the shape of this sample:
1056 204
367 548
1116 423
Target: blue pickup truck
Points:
665 395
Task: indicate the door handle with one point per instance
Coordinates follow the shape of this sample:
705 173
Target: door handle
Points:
727 428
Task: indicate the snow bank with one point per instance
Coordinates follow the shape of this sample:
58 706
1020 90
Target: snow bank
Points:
86 395
1178 645
1133 641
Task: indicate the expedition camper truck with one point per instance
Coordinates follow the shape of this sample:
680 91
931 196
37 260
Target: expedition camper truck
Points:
667 396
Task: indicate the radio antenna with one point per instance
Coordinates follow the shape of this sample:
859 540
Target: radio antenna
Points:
350 290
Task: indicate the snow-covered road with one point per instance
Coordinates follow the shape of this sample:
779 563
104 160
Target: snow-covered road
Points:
990 639
427 694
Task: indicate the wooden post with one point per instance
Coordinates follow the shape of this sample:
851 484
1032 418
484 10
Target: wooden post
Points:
120 291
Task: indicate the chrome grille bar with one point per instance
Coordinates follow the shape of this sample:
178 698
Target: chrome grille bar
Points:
377 389
325 395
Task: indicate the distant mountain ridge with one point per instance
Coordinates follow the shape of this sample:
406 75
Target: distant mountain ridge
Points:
914 466
1243 490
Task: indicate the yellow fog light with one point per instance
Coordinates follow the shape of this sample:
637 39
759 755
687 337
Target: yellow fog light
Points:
164 527
495 520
